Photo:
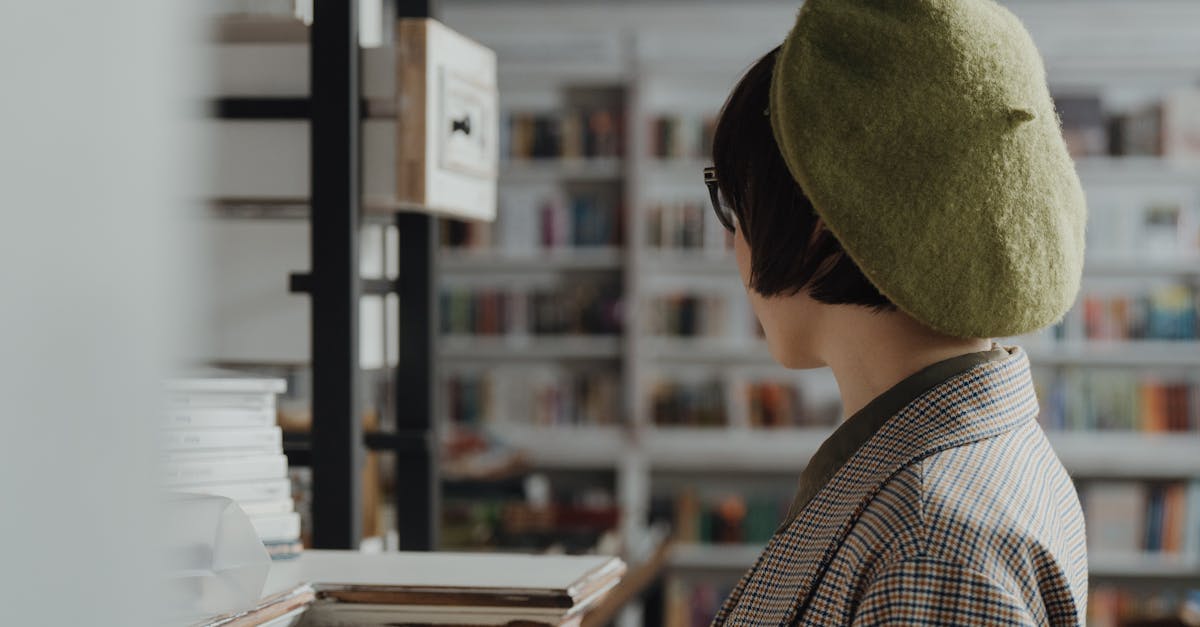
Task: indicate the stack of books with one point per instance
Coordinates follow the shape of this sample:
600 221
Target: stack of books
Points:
221 438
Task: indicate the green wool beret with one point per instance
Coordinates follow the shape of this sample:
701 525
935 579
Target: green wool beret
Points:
925 136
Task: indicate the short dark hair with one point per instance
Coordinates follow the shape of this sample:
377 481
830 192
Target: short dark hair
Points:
790 248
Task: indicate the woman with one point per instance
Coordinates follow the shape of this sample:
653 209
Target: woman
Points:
900 193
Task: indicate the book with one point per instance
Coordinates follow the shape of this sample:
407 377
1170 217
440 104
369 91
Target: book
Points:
1121 399
1181 124
577 133
539 395
275 489
279 527
1083 124
270 437
1116 517
1132 518
251 468
182 400
266 507
227 382
220 417
457 588
689 403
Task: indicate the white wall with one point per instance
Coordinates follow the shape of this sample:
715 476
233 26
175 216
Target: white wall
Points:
95 160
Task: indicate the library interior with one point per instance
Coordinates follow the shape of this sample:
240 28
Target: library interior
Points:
380 312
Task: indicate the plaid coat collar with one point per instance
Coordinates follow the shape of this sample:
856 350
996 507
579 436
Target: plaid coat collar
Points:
983 402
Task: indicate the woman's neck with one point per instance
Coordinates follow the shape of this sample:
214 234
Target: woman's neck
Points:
871 352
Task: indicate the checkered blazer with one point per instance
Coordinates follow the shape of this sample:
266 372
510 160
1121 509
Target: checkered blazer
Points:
956 512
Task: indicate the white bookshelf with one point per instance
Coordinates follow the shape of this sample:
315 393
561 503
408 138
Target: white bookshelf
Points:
664 66
1138 353
1143 565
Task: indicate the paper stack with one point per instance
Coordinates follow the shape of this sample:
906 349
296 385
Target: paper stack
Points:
221 438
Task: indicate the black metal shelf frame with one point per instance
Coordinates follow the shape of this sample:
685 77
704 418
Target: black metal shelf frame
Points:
336 448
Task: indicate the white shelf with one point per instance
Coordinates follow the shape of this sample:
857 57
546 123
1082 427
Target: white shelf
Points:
1099 170
1143 565
728 449
690 263
714 556
1126 454
1094 171
555 170
1109 454
1141 265
707 350
565 447
484 348
1146 353
675 169
589 258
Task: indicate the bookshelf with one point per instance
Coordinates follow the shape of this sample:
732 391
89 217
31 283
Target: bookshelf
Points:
669 79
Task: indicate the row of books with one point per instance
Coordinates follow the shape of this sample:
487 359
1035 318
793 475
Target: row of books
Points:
711 518
1115 606
687 315
681 136
546 396
221 439
581 308
685 225
1168 128
694 602
1164 313
1089 399
1132 518
782 404
572 134
554 221
688 403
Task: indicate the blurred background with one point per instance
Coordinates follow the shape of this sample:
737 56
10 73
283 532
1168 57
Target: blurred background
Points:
593 378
